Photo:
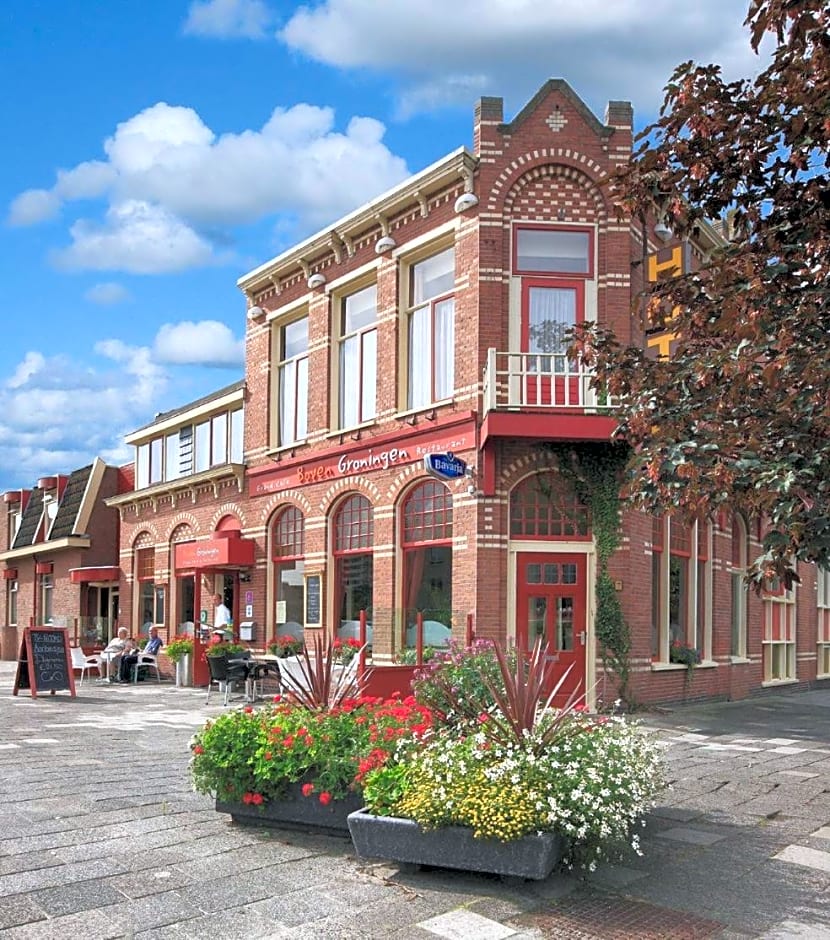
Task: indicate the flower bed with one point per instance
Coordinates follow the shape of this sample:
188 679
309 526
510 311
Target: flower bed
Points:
294 810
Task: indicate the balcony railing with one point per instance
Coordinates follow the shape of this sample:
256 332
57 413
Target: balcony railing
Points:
539 380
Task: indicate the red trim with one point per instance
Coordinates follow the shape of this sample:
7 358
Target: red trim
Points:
216 552
10 574
548 426
550 283
101 573
44 567
523 226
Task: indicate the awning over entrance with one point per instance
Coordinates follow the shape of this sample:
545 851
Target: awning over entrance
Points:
225 549
101 573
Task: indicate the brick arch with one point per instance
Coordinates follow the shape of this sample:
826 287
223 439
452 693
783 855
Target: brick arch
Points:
288 497
341 488
182 533
529 196
146 538
181 518
548 512
563 158
225 510
403 479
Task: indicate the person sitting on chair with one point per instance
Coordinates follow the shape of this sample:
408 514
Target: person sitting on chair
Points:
115 649
130 659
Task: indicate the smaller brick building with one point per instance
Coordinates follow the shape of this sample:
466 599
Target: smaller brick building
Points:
59 561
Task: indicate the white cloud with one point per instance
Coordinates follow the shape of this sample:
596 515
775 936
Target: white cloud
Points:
33 362
168 177
137 237
33 206
625 49
208 343
107 294
225 19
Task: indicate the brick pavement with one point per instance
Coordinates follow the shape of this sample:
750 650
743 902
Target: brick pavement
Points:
101 836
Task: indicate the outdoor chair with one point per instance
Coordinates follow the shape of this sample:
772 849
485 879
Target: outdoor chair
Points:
224 674
145 661
83 662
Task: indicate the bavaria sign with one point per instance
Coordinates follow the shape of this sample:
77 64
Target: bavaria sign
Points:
444 466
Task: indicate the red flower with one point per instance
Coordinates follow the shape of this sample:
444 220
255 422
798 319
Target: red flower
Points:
308 789
248 798
248 709
267 755
277 698
325 797
257 799
198 749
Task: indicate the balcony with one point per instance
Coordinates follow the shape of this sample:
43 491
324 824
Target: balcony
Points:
542 397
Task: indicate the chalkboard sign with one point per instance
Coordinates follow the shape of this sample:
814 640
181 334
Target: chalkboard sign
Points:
313 601
44 664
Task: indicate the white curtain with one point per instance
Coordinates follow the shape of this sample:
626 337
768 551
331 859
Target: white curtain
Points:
551 312
444 348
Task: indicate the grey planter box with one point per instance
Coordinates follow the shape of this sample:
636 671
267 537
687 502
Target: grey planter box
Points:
295 811
402 840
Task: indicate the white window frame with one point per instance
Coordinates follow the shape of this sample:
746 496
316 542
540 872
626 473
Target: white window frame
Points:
432 354
739 590
364 337
698 601
11 602
779 660
290 370
823 635
47 597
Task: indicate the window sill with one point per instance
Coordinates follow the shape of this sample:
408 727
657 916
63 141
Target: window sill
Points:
355 429
278 452
677 667
775 682
739 660
424 411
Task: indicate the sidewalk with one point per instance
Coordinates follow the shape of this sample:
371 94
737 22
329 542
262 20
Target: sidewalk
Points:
101 836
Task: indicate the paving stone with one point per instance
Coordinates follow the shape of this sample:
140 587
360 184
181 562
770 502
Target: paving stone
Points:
461 925
19 909
801 855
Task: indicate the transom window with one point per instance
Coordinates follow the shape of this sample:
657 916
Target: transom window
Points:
358 357
431 329
293 382
428 513
354 528
289 534
541 508
544 250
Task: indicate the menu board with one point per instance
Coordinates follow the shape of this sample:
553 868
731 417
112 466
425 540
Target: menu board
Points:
44 662
313 600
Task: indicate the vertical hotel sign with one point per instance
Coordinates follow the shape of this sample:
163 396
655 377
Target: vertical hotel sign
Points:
664 264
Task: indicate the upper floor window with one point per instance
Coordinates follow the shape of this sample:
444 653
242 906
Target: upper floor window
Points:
190 449
12 602
292 369
431 329
556 251
358 357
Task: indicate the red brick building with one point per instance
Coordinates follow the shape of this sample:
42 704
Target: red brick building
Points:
431 321
59 561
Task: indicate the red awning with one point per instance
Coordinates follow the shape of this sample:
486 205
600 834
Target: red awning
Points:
216 552
9 574
101 573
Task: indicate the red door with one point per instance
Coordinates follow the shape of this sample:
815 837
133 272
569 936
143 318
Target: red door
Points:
549 310
550 600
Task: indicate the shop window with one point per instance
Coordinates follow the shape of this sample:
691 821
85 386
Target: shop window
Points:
778 645
144 570
680 587
431 329
288 540
541 507
738 586
353 575
823 601
358 357
427 561
11 602
293 382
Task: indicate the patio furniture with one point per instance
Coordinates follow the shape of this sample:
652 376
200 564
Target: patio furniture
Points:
224 672
83 662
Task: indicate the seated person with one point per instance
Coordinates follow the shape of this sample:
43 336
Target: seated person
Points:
130 658
113 651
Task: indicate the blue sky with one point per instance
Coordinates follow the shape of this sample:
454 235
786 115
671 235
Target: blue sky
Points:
155 150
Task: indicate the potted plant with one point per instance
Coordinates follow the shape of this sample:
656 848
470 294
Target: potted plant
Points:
290 765
684 655
284 646
513 787
224 648
345 650
180 652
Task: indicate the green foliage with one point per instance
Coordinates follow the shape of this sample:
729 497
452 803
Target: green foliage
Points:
222 649
459 678
285 646
178 648
684 655
251 756
596 472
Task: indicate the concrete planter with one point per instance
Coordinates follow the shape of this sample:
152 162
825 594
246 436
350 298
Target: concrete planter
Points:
402 840
295 811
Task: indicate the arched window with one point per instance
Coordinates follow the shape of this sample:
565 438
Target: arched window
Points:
288 556
427 561
185 585
353 571
541 507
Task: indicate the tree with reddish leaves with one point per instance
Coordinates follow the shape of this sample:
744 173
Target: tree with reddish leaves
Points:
738 415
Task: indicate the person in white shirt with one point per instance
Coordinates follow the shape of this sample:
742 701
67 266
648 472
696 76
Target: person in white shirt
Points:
221 614
114 650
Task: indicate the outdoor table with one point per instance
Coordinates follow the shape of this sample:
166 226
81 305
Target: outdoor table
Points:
109 659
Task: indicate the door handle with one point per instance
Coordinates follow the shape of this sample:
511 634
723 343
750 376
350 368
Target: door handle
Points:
582 637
